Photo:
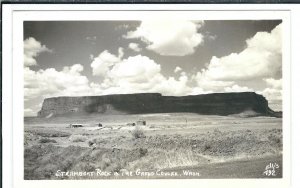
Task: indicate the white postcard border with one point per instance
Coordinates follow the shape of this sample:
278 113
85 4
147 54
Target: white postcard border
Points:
13 90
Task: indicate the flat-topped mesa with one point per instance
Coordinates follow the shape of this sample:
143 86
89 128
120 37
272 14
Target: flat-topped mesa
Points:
142 103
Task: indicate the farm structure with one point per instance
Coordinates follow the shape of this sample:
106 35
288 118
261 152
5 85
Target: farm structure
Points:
141 122
73 125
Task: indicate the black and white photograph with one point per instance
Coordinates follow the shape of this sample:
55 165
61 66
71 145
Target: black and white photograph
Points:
153 99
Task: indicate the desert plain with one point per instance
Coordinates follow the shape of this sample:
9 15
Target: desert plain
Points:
168 146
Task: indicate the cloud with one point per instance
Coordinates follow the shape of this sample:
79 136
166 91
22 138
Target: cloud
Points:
209 36
50 82
271 94
177 69
212 37
122 27
207 84
29 112
102 64
32 48
141 69
273 83
260 59
42 84
139 74
171 86
121 52
169 37
33 108
237 88
134 74
91 38
135 47
273 90
91 56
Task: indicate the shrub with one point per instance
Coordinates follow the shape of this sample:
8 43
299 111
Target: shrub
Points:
47 140
138 133
90 143
275 139
52 134
78 138
207 146
217 131
143 152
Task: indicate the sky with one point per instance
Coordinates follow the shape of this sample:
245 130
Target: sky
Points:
171 57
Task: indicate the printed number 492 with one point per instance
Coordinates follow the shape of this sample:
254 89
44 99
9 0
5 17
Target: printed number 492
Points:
270 173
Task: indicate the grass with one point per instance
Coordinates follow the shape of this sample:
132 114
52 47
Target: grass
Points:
163 152
47 140
161 148
78 138
164 159
49 133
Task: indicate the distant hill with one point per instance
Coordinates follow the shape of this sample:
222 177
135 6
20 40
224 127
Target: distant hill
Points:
143 103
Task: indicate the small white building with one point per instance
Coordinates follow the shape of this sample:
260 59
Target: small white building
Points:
75 125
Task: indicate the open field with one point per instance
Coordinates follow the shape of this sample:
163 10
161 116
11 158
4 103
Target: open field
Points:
168 146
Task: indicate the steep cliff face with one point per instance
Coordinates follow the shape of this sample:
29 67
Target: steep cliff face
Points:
214 104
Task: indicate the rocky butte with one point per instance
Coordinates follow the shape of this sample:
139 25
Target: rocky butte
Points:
142 103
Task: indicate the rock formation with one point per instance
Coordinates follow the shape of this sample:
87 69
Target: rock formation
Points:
209 104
